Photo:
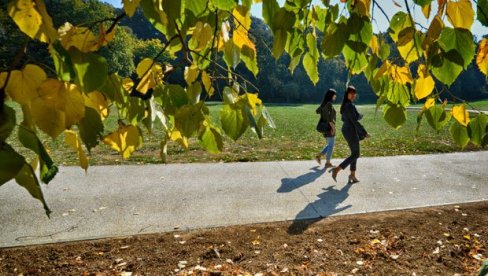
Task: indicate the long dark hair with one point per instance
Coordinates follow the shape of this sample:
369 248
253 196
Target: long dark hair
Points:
328 97
350 89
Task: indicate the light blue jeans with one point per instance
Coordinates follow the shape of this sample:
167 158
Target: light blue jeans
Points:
329 147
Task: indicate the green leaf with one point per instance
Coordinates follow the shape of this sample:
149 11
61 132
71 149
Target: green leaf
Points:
30 140
253 124
459 40
91 128
27 179
477 129
279 43
360 28
460 134
91 70
355 57
311 59
211 138
283 20
482 12
334 39
170 97
398 23
248 55
232 54
437 117
267 117
151 10
226 5
446 67
7 122
62 61
395 115
198 8
10 163
422 2
234 120
188 119
194 91
112 87
270 7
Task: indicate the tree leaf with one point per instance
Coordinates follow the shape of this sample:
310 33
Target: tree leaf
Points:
334 39
399 22
201 37
477 128
424 84
91 128
130 6
29 140
270 7
72 140
234 120
279 43
59 106
23 84
482 12
207 83
226 5
446 67
125 140
149 73
460 14
437 117
458 40
7 122
10 163
311 59
409 44
460 134
62 61
91 70
211 138
249 57
80 38
191 73
460 113
28 179
395 115
32 19
188 119
482 57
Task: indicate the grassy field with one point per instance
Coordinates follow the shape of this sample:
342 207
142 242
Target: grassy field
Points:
294 138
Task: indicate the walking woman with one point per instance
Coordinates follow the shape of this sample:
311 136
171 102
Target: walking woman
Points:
353 132
328 115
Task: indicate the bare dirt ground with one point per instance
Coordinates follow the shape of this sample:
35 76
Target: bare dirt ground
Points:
444 240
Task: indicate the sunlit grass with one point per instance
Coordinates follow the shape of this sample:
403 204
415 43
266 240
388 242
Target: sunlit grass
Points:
294 138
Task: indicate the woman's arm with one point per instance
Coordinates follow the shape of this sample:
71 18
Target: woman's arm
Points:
353 117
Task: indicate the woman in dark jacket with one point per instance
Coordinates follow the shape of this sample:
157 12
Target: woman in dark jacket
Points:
353 132
328 115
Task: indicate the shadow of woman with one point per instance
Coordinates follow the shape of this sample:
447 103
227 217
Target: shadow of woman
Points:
325 206
290 184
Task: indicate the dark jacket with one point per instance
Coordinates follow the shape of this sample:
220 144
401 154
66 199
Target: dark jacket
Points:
351 126
327 114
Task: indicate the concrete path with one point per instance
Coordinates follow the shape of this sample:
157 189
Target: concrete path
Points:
113 201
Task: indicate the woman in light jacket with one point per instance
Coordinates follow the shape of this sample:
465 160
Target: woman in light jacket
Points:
328 114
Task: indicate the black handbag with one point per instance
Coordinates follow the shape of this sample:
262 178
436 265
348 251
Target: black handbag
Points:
322 126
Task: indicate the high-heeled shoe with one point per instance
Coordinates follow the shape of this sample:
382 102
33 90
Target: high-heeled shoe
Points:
328 165
335 171
352 180
317 158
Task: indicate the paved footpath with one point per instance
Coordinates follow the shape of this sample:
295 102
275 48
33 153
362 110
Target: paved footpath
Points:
113 201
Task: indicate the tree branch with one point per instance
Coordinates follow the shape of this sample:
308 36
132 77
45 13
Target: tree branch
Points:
381 9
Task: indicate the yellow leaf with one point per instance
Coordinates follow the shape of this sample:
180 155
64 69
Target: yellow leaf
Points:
32 19
72 140
424 85
482 57
127 84
401 74
430 102
207 83
177 137
460 113
406 45
150 73
375 241
103 37
373 44
252 100
202 35
59 105
191 73
240 35
97 101
22 85
434 31
79 37
125 140
468 237
460 14
385 68
255 242
3 78
130 6
426 10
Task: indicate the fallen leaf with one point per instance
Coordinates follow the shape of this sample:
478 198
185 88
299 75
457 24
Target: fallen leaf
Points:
255 242
359 262
436 251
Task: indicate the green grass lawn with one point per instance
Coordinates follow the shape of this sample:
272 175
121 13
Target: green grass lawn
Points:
294 138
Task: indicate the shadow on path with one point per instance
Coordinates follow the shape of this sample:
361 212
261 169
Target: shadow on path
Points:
290 184
325 206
